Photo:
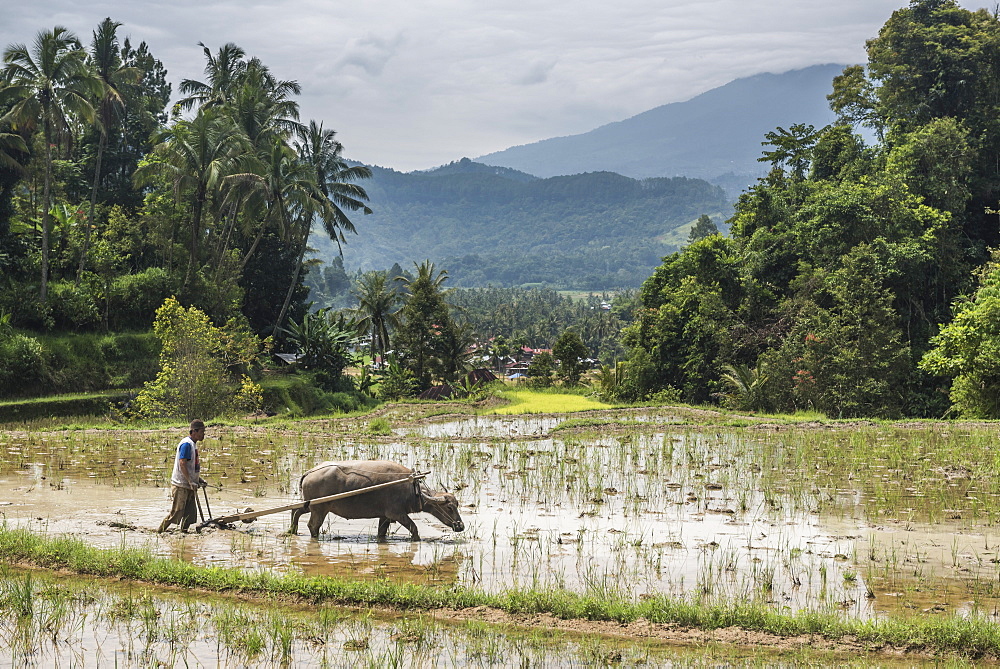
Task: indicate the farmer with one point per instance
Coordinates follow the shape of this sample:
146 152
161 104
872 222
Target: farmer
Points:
185 480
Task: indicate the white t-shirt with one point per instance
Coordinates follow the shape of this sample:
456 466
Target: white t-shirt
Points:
187 456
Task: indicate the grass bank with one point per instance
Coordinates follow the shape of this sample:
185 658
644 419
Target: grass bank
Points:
972 637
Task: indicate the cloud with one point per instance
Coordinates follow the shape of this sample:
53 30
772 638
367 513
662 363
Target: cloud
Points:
412 85
370 53
538 73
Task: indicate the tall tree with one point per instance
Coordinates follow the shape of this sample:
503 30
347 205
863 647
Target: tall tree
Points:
967 350
323 154
105 57
570 351
132 138
222 74
792 147
703 227
377 309
195 157
425 322
51 85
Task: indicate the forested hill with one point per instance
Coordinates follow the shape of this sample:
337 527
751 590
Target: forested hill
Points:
494 225
714 136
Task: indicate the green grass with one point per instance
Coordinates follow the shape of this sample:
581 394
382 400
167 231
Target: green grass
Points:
62 397
537 401
970 637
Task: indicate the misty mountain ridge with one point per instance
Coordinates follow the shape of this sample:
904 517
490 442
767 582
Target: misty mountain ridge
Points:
715 136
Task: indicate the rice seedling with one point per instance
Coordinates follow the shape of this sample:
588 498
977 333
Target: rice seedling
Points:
379 426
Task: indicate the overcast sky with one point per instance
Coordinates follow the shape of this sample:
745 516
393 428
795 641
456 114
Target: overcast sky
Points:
412 84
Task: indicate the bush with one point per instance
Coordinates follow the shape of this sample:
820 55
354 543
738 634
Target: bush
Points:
130 359
26 311
297 396
196 363
73 307
90 362
24 366
541 370
134 298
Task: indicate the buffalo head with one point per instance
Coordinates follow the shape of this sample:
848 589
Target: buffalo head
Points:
444 507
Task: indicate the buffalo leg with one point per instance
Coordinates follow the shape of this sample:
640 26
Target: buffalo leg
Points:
316 519
383 528
408 523
296 514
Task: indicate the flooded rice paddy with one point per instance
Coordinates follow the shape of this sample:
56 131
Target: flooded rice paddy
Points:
867 520
49 620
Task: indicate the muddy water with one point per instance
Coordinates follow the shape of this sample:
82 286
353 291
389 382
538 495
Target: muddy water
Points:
675 512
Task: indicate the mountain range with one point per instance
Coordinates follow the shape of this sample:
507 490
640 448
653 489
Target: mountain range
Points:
714 136
592 211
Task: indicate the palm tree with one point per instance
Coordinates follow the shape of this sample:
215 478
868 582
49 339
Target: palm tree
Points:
455 351
377 310
747 385
261 110
50 85
11 142
260 106
196 157
276 190
105 56
429 274
222 73
322 153
425 323
320 149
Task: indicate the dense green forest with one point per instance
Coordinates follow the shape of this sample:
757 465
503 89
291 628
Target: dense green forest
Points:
111 207
858 280
489 225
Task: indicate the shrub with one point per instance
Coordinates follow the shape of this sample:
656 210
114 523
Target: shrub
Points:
134 298
73 307
130 359
50 364
24 366
380 425
541 370
298 396
195 359
396 381
26 311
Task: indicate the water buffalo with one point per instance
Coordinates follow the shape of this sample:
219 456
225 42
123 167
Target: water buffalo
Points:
389 504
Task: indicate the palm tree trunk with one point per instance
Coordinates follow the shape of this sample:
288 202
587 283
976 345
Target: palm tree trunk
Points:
90 216
253 247
291 286
46 206
195 226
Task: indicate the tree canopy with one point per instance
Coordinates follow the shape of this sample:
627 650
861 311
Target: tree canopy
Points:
845 261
